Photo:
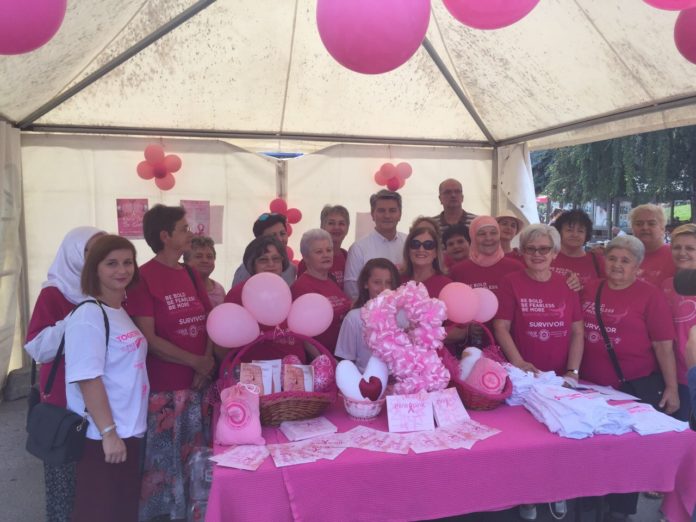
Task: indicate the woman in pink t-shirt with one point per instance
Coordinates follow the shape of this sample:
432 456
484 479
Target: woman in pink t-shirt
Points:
423 260
170 306
201 258
316 247
335 219
539 323
575 228
264 254
60 293
683 308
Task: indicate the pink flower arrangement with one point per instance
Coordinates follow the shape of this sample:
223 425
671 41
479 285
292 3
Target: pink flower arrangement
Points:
403 327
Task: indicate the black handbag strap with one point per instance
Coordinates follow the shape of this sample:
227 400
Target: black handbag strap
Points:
605 336
59 354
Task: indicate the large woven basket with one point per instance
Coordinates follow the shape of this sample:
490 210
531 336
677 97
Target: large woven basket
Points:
471 397
286 405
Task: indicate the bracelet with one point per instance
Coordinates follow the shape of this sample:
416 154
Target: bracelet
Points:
575 372
107 430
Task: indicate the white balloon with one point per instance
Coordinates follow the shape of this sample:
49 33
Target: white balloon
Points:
377 368
470 356
348 377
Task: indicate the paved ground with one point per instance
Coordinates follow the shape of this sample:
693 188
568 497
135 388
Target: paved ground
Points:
22 494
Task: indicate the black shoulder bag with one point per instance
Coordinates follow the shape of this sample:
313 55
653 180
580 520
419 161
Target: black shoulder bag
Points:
57 435
648 389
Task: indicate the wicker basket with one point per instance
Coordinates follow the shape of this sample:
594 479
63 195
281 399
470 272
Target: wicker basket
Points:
471 397
286 405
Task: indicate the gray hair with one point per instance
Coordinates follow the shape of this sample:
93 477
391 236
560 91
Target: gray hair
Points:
532 232
648 207
200 242
310 237
329 210
631 243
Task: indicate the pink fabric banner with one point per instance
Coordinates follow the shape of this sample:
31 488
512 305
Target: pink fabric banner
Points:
525 463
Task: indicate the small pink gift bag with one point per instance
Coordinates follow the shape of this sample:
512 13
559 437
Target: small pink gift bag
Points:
239 421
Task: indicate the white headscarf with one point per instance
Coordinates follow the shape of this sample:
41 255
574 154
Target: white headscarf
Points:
66 269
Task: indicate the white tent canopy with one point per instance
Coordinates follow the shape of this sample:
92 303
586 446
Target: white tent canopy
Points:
254 73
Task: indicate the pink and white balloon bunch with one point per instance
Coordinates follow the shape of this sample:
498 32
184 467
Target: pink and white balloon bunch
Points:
465 304
159 166
403 328
26 25
266 299
393 176
292 215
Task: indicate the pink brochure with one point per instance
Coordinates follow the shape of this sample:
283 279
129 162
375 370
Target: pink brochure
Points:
197 215
410 412
448 407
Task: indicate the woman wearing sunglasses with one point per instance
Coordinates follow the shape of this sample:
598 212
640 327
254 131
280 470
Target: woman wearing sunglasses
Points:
539 322
423 260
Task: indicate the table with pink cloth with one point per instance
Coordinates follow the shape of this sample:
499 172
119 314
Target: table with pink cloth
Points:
525 463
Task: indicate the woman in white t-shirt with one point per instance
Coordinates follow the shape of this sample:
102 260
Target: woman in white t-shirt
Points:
106 380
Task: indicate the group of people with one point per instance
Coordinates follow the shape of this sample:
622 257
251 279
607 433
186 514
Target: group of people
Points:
143 390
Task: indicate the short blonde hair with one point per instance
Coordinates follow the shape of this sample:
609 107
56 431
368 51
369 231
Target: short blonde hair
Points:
648 207
689 229
531 232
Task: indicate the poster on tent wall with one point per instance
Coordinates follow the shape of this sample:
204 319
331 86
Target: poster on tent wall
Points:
198 216
129 214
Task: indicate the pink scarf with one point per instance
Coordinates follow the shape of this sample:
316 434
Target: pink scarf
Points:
475 255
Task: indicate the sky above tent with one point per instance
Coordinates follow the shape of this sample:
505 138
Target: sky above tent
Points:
258 69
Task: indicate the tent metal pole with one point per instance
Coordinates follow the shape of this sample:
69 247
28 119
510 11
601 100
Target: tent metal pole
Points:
607 118
457 90
120 59
246 135
495 182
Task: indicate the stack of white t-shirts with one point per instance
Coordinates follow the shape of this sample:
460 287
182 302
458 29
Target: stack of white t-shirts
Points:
571 414
523 381
646 420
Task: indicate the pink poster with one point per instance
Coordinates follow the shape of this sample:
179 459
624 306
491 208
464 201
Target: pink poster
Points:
198 216
129 213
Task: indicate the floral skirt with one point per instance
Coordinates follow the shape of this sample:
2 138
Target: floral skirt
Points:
174 429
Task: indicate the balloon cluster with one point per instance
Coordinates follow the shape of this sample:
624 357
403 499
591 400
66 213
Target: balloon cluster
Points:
374 37
159 166
292 215
393 177
685 32
267 300
26 25
466 304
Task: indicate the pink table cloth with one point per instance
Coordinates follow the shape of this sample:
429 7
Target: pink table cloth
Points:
525 463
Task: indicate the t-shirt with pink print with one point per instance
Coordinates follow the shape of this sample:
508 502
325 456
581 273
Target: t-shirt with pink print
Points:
488 277
541 315
657 266
583 266
684 316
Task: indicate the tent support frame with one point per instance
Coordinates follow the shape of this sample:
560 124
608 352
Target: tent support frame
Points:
115 62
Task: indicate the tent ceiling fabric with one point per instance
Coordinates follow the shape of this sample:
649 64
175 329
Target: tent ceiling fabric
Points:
258 66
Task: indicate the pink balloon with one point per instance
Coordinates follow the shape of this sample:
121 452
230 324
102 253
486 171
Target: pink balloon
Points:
267 297
159 170
279 206
26 25
310 315
290 252
165 183
372 36
288 229
380 178
294 215
685 34
154 154
461 301
172 162
489 14
394 184
488 305
671 5
145 170
389 171
231 326
405 170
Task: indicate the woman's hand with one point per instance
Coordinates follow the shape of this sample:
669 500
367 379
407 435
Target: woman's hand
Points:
199 382
670 400
204 365
573 282
527 366
114 448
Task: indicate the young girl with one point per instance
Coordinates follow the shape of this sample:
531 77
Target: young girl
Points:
106 380
377 275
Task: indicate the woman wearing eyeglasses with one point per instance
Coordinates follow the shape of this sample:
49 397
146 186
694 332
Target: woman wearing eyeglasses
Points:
539 322
423 260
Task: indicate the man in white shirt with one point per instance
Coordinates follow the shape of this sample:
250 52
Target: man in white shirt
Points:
383 241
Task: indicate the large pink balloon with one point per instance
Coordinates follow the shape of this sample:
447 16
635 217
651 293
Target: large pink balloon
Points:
489 14
165 183
310 315
488 305
172 162
372 36
267 297
154 154
230 326
685 34
145 170
672 5
26 25
462 302
278 205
